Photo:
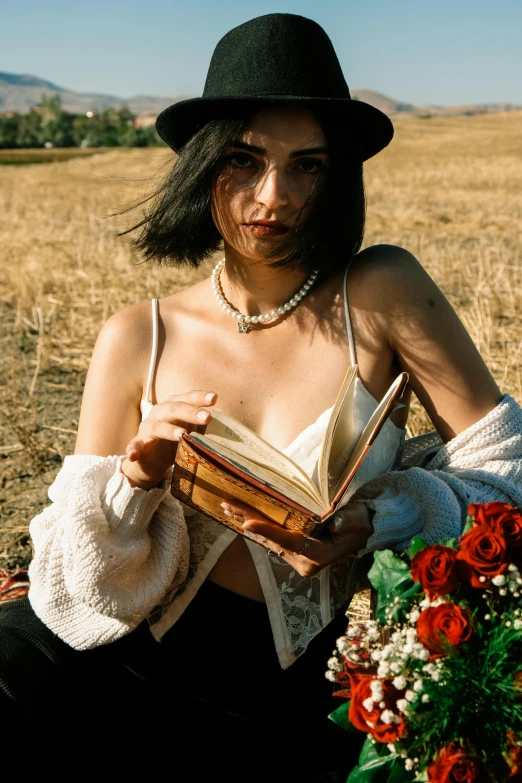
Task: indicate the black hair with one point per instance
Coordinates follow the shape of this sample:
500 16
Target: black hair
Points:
178 227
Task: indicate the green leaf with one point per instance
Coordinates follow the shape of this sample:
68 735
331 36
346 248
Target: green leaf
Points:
380 768
470 523
417 545
377 762
372 762
398 773
340 717
391 577
388 570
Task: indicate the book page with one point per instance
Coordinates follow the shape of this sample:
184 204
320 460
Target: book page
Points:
371 431
306 495
339 432
224 430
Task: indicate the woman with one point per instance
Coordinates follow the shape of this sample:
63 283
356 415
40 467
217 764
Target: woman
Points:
271 164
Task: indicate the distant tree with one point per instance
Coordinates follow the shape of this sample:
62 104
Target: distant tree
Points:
9 132
29 131
57 124
148 137
50 107
48 123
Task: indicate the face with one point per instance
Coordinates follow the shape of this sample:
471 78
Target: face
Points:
268 177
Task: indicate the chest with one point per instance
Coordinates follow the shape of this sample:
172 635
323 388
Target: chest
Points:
276 381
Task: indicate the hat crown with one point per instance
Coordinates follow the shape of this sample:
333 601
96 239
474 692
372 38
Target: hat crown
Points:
276 54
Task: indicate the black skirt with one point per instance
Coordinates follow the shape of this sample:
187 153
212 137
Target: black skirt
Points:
210 701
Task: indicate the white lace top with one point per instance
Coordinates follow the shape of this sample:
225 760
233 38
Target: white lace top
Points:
299 607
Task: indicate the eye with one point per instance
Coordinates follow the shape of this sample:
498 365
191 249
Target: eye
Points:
310 165
239 160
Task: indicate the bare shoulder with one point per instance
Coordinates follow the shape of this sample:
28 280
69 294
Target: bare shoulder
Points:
390 288
127 335
388 275
110 412
128 332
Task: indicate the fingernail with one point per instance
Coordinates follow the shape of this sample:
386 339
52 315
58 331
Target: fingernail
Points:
203 416
226 506
210 397
338 522
228 513
178 432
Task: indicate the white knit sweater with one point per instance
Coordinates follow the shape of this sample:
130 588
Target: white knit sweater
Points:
429 496
105 554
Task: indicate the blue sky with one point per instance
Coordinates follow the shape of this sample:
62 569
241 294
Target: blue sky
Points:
442 52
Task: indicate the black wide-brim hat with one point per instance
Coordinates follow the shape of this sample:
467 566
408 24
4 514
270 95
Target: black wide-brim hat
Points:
276 58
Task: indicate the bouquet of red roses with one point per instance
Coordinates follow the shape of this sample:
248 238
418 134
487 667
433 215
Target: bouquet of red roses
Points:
435 681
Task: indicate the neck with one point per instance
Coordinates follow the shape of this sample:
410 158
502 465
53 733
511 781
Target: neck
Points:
253 287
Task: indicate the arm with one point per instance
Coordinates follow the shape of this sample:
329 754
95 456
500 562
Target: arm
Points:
446 371
106 551
481 464
463 401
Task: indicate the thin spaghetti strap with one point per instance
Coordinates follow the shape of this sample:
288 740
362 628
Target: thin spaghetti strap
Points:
349 332
154 351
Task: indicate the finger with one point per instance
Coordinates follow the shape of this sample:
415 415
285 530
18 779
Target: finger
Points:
287 539
354 517
241 512
255 522
195 397
181 412
155 430
340 521
133 449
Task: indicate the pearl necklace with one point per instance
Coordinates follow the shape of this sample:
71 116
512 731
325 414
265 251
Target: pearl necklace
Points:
244 321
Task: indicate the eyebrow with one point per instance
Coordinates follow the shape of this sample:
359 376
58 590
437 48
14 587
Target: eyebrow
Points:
296 154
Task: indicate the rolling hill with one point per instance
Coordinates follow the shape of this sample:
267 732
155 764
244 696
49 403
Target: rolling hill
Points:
19 92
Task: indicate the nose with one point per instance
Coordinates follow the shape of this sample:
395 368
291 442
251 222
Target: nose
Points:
272 189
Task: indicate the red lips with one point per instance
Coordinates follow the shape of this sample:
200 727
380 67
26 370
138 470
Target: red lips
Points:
266 227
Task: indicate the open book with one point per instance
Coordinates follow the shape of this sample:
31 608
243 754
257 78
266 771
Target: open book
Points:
230 462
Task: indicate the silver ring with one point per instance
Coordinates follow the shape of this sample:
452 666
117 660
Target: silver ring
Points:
279 554
305 545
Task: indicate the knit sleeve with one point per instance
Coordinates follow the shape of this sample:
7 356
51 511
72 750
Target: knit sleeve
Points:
481 464
105 553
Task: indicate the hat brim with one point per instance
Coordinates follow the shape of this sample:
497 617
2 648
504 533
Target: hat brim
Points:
370 127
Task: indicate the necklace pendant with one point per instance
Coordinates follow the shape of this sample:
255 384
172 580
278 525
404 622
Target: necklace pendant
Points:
242 326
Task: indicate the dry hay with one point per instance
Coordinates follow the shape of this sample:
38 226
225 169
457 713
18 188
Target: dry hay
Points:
448 189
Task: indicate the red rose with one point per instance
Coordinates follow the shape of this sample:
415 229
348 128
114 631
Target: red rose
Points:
370 721
455 765
436 569
482 553
444 626
501 518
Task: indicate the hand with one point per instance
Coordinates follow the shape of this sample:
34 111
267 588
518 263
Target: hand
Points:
153 450
345 534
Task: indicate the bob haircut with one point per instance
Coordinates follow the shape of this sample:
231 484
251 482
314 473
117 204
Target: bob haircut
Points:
179 229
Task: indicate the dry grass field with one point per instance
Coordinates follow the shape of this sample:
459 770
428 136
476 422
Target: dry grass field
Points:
448 189
23 157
